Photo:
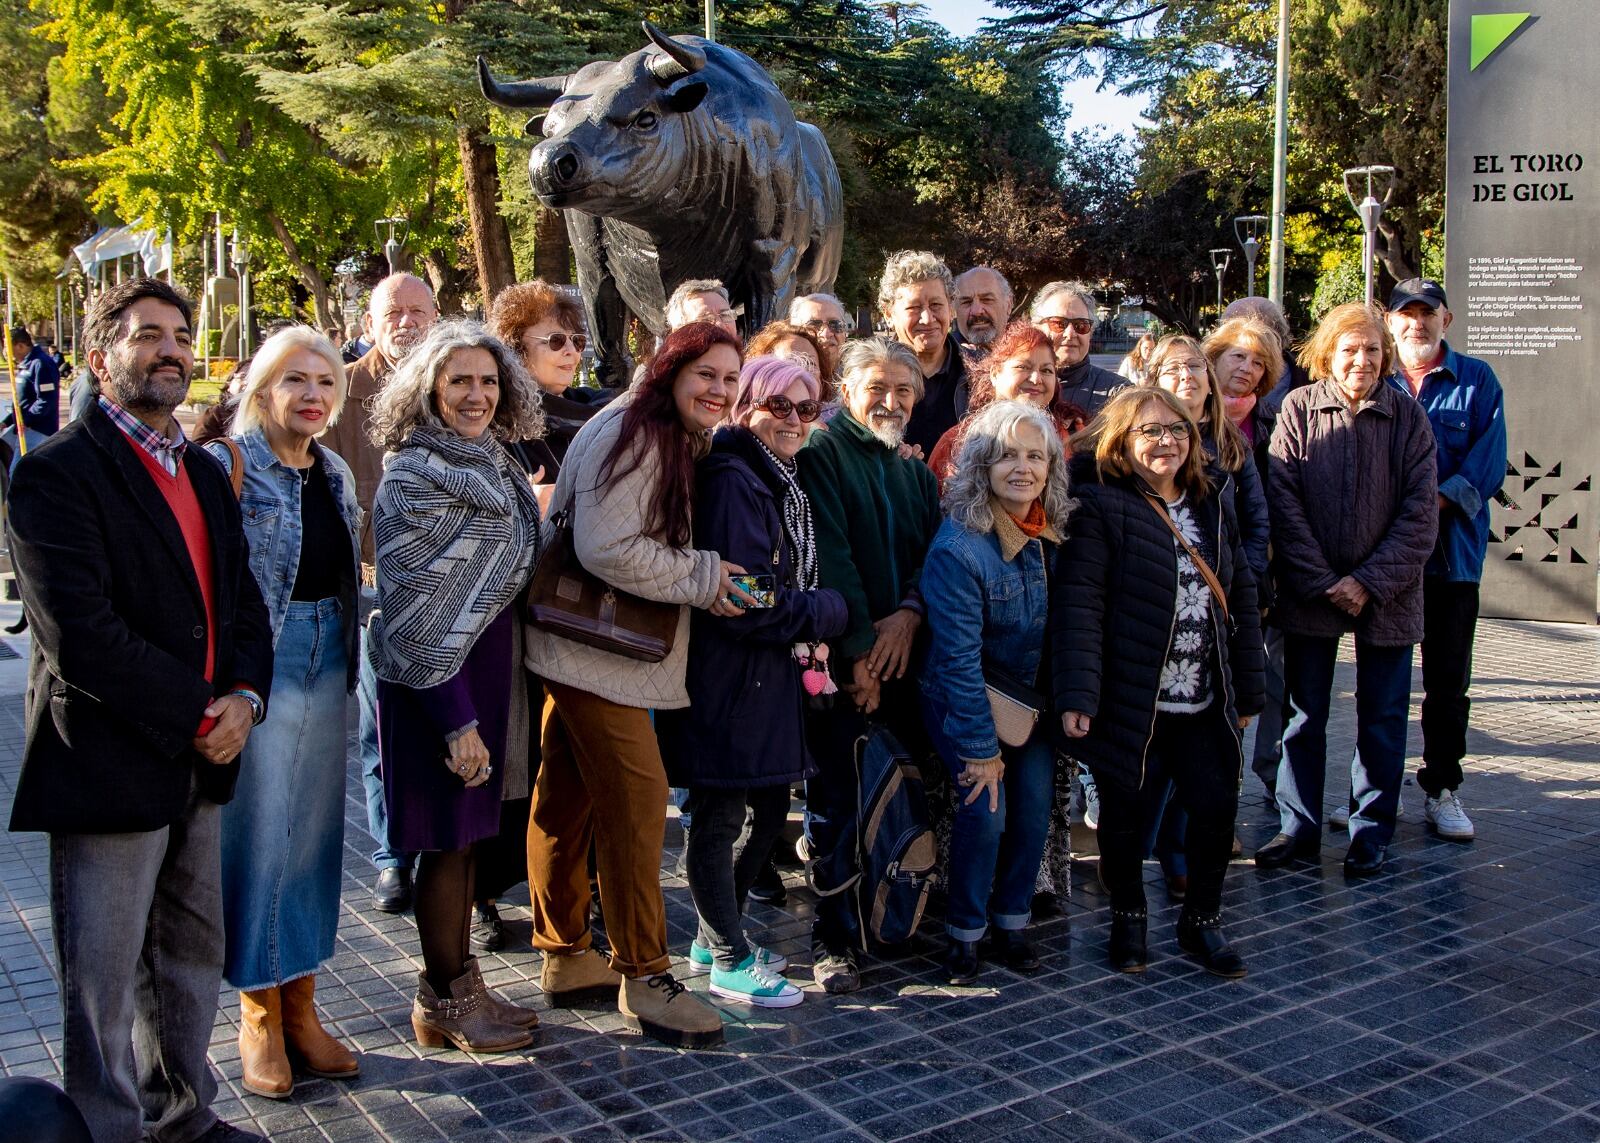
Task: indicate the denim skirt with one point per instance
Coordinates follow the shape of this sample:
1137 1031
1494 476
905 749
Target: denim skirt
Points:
283 833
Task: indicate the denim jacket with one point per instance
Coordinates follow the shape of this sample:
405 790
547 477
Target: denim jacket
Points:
270 503
982 609
1465 408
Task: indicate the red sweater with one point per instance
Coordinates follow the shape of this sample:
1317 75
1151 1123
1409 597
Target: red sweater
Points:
180 497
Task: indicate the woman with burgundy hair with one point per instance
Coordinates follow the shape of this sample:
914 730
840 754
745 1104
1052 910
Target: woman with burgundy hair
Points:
1020 367
627 486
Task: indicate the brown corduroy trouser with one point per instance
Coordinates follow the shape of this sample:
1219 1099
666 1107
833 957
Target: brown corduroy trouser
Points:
602 780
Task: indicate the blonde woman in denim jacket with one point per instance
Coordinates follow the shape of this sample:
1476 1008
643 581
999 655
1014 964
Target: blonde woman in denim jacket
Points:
283 833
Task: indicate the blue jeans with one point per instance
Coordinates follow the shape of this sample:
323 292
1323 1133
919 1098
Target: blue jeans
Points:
1383 699
137 919
994 856
371 776
283 833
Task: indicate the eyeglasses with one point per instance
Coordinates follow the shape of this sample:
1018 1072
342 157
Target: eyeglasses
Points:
1058 325
780 407
558 341
832 325
1180 368
1155 430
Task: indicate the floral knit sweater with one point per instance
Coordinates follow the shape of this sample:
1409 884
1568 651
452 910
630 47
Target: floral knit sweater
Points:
1186 677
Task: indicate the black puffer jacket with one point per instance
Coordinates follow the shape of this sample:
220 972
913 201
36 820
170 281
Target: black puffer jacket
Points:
1112 614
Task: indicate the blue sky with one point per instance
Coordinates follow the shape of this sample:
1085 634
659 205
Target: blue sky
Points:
1089 107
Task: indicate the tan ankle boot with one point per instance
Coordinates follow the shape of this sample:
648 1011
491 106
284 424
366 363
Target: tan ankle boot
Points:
462 1018
662 1008
306 1039
580 979
503 1010
261 1050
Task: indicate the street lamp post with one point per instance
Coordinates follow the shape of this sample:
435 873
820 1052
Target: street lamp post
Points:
392 245
1280 156
1220 257
1369 208
1247 228
241 264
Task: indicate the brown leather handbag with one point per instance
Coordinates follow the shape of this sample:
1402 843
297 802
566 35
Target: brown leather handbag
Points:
568 600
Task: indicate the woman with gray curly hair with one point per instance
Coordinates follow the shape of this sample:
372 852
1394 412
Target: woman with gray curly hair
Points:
986 587
456 532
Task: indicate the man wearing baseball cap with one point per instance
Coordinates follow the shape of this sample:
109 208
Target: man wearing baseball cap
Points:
1464 404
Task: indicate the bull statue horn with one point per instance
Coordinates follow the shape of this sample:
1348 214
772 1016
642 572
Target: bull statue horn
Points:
525 93
681 59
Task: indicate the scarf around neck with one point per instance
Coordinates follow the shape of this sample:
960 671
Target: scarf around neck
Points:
456 528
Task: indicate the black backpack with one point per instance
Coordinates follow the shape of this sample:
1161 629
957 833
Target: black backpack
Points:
886 859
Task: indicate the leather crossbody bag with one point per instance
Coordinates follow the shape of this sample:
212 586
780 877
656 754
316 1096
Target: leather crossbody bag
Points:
1015 707
568 600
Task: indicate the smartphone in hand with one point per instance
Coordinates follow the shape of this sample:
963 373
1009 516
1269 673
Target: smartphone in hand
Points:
762 588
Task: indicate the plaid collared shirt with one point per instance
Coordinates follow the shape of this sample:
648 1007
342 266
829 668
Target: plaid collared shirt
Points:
168 453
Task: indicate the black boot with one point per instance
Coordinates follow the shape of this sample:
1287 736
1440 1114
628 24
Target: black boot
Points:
1201 938
1126 949
961 962
1011 948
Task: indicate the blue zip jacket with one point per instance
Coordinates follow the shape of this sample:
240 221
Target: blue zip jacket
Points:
982 608
1466 409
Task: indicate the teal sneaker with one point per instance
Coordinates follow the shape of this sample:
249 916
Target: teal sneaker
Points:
700 959
752 983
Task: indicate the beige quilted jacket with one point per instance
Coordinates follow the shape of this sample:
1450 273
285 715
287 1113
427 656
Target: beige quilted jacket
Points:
609 537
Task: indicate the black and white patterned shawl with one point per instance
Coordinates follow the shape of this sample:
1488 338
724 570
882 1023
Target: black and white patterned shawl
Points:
456 530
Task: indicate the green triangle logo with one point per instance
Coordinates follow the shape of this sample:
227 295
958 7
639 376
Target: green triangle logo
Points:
1489 32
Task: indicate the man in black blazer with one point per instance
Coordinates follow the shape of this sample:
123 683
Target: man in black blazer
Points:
152 659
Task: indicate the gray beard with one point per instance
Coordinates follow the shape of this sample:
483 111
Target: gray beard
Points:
982 336
890 436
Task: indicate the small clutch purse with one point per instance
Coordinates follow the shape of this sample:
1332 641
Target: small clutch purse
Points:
1015 707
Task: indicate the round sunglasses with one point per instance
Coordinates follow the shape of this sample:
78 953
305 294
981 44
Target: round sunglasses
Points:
780 407
558 341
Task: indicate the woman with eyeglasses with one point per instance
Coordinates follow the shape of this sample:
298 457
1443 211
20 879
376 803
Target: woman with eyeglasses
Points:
740 744
1021 366
1156 647
545 327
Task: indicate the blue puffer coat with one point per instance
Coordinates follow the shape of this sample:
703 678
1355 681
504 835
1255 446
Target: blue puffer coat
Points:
743 726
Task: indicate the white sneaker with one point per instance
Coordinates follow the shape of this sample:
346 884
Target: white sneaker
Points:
1447 818
1091 798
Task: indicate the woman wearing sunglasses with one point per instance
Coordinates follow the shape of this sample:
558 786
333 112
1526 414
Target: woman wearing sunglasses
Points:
545 327
740 743
1156 647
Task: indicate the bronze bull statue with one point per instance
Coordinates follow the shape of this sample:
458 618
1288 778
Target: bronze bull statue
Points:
682 160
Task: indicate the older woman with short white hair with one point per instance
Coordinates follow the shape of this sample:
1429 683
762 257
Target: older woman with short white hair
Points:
986 587
456 532
283 833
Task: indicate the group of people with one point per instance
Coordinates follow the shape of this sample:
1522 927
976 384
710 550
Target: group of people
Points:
962 532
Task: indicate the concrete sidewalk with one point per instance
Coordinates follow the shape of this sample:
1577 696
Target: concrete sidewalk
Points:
1455 996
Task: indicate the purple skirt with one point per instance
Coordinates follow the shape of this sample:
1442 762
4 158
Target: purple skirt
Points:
429 807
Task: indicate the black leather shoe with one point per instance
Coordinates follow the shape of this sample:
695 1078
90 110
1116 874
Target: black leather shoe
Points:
961 962
221 1132
768 888
1010 948
1046 905
1363 859
488 932
392 893
1208 946
1285 848
1126 950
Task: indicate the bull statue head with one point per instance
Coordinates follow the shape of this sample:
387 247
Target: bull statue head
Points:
610 125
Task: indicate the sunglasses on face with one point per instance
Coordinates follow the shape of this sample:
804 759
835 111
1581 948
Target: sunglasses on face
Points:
832 325
1155 430
558 341
781 407
1059 325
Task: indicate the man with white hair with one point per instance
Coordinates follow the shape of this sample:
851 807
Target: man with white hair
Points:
874 514
702 299
917 296
401 312
983 307
1064 312
823 316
